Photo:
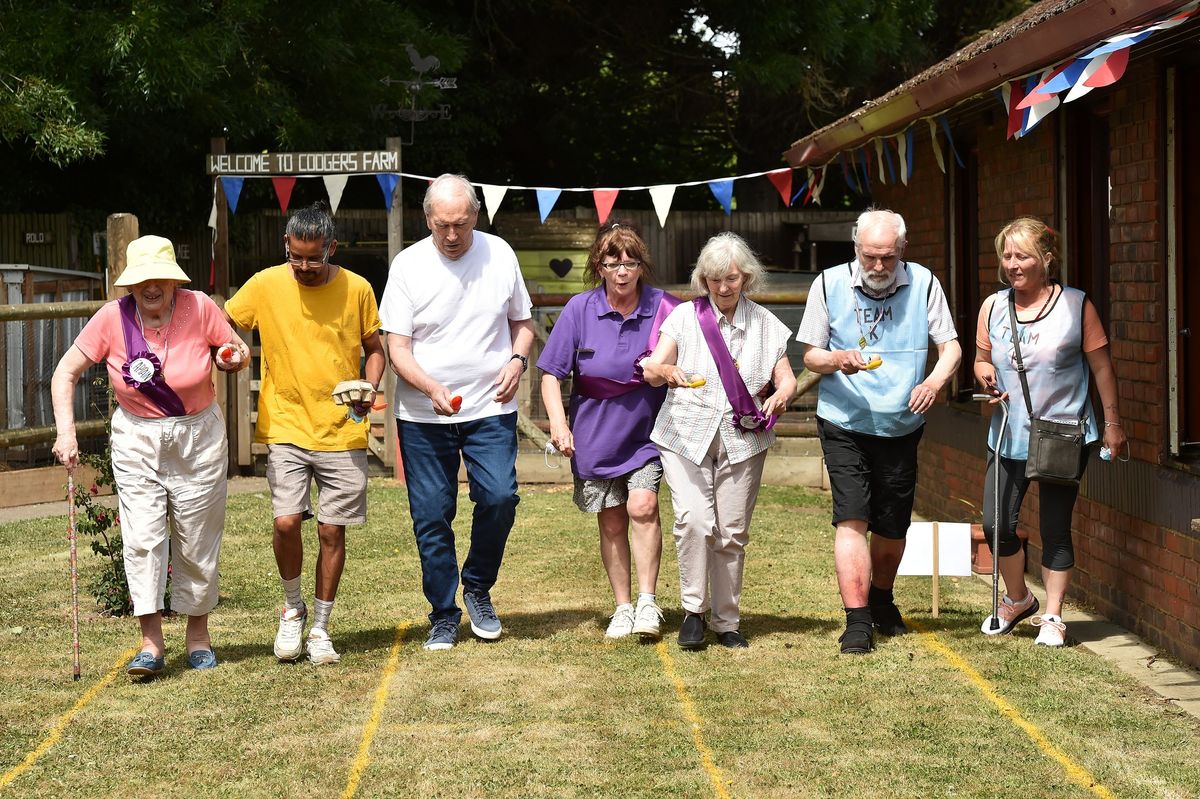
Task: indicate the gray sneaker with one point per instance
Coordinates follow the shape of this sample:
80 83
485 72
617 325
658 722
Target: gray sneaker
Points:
443 635
484 621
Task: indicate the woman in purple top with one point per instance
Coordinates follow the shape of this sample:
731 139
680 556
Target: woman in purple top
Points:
598 340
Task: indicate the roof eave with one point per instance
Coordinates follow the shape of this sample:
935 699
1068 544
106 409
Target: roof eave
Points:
1045 43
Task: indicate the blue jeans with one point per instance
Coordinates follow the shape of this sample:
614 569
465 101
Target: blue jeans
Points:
431 454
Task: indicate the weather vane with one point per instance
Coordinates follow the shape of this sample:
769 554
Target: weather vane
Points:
421 65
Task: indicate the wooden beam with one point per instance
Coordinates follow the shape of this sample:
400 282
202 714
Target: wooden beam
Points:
122 229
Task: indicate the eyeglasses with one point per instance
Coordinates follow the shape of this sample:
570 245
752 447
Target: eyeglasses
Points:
628 266
306 263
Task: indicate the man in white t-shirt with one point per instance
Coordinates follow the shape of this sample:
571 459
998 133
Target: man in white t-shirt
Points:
459 330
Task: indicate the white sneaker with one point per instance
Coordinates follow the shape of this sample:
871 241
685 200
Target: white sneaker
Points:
289 641
1053 632
648 621
320 648
1011 613
622 622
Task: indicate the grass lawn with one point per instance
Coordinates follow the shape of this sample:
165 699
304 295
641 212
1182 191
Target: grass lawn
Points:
552 710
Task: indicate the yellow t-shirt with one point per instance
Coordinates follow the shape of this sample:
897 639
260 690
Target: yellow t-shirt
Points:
311 341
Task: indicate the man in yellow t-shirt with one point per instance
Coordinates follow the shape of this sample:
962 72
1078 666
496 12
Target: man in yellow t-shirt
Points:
314 320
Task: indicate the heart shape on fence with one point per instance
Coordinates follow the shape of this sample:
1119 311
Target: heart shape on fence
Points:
560 267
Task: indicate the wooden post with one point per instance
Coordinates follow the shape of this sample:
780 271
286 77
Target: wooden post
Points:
936 565
122 229
395 228
220 253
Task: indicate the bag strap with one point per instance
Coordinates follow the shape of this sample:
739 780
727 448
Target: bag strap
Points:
1016 340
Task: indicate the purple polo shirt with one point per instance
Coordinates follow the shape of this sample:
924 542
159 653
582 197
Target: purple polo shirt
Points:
612 436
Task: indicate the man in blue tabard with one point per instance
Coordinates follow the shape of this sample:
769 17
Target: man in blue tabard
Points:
867 327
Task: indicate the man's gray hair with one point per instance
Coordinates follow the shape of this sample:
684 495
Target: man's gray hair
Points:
447 184
876 218
312 223
722 251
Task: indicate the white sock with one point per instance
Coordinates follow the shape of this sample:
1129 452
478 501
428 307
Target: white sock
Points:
321 611
644 598
292 598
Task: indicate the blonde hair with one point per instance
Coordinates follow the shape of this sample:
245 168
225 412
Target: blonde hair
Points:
1031 236
720 253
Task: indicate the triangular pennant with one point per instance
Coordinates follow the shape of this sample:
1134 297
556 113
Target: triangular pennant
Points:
781 179
850 181
1081 86
1015 91
212 214
723 191
887 158
604 199
1037 113
950 139
879 159
233 192
866 169
1035 96
811 182
799 192
905 161
1063 78
662 196
1110 71
937 148
334 186
816 195
546 199
492 197
387 184
1115 43
283 190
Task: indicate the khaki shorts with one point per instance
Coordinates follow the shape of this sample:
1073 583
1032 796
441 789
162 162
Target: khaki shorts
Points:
341 483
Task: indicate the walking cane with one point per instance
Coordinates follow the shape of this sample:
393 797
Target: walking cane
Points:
74 573
995 622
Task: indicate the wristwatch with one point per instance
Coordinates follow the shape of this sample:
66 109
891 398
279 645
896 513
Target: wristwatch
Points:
524 362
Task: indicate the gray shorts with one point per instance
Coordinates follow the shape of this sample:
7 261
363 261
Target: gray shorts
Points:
341 483
593 496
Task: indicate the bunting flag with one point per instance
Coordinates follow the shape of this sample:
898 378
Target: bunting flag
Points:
387 184
1012 93
233 192
1111 70
546 199
904 150
950 140
283 190
866 168
722 190
334 186
1081 86
781 179
492 197
850 181
811 182
1036 113
799 192
937 148
887 158
879 159
212 214
820 186
604 199
662 196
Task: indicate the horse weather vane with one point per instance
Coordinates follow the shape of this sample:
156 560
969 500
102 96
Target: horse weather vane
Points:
412 115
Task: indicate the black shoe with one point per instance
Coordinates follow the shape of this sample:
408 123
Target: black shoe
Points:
887 619
733 640
691 632
857 640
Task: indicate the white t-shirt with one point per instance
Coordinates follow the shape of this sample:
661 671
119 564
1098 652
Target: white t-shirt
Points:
457 313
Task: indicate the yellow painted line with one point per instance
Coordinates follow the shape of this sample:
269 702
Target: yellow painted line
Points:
1076 772
381 693
689 711
59 726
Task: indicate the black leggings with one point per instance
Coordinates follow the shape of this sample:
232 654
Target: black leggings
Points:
1056 504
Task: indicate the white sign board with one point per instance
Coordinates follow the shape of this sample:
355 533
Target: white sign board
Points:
954 549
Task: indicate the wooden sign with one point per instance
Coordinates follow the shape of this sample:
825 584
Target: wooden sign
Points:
339 163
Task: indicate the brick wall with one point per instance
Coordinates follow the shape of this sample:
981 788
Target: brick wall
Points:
1145 577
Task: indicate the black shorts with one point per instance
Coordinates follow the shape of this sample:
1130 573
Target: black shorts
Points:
872 477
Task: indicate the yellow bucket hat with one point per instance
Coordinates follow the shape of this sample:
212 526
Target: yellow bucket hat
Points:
150 258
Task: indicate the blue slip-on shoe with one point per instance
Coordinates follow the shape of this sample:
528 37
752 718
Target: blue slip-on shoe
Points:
442 635
202 659
484 621
144 665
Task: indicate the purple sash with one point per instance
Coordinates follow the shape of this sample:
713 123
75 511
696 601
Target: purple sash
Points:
605 388
746 416
142 369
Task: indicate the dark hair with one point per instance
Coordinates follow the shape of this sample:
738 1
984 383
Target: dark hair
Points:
312 223
613 239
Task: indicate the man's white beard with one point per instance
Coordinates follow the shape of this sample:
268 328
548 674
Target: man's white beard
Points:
878 283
